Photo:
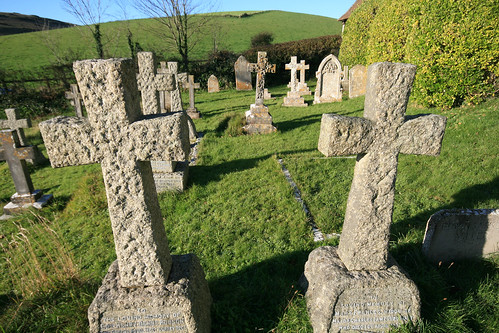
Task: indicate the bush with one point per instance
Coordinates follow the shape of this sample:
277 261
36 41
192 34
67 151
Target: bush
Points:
262 39
220 64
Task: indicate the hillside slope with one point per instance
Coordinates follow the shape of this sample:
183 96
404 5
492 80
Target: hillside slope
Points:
15 23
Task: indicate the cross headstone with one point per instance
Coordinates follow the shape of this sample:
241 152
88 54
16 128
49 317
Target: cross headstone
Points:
293 97
243 76
357 80
74 95
261 67
192 111
329 77
171 67
15 154
378 285
213 85
302 85
123 141
146 83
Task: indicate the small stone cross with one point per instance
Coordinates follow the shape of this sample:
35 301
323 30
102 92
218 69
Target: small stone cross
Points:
123 141
293 66
302 70
14 123
75 97
171 68
192 86
378 138
261 67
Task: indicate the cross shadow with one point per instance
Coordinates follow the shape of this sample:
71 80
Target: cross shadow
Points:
289 125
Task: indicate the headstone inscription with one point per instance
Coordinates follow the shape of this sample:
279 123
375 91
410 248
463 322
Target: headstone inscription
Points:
258 118
192 111
14 122
302 85
329 77
456 234
243 76
146 288
359 286
75 97
293 97
15 155
357 81
213 85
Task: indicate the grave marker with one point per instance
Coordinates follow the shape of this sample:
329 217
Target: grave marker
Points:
146 83
367 290
74 95
243 75
357 81
192 111
329 77
302 85
213 85
293 97
175 102
141 284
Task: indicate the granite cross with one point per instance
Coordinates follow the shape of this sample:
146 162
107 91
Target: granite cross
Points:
261 67
175 97
14 123
378 138
123 141
146 83
75 97
192 86
293 66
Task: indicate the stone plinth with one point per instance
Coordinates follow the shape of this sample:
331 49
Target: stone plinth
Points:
339 300
181 305
294 99
20 202
258 120
175 180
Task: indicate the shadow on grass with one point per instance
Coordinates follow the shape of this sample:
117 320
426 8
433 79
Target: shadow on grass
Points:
254 298
289 125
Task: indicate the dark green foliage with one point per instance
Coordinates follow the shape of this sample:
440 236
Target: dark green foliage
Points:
98 41
220 64
262 39
33 103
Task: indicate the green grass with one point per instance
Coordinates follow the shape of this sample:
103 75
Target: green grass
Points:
31 51
240 218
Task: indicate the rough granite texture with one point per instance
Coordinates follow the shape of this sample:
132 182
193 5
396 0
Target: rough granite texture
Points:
117 136
329 76
377 139
340 300
243 76
146 83
357 81
186 293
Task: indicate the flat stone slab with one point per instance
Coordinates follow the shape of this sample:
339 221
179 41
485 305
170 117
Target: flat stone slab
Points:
339 300
172 181
18 204
182 305
461 234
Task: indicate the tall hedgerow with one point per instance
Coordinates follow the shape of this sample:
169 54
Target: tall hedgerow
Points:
454 43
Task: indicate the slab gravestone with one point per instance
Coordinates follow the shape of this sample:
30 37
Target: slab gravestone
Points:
461 234
14 122
357 81
243 76
293 97
146 288
329 77
15 155
258 118
74 95
359 286
302 85
192 111
213 85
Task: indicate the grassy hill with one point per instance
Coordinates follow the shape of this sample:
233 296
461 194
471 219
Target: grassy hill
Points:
232 30
15 23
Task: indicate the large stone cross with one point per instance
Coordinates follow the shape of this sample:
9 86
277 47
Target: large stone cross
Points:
293 66
14 123
378 138
74 95
123 141
261 67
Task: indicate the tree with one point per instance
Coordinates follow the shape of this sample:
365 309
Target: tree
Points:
181 20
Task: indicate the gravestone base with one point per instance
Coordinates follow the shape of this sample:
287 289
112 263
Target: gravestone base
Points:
339 300
266 94
182 305
175 180
20 202
258 120
303 89
193 113
294 99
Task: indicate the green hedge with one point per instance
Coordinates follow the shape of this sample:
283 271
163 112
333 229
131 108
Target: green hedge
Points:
454 43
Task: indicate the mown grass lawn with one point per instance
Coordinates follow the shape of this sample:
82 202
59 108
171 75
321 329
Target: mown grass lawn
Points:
240 218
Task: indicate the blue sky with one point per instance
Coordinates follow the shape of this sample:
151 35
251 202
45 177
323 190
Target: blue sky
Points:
54 8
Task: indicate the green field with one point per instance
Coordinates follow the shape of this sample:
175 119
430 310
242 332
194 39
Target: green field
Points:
30 51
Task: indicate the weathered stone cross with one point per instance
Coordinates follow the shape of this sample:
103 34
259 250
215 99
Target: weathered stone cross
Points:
302 85
75 97
192 86
117 136
146 83
378 138
293 66
261 67
176 99
14 123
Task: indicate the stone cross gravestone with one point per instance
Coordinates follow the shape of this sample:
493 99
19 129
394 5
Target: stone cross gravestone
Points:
15 154
213 85
74 95
175 96
366 289
192 111
146 83
329 77
302 85
14 122
293 97
258 118
142 289
357 81
243 75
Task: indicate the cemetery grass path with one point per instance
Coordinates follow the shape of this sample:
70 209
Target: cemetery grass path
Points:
239 216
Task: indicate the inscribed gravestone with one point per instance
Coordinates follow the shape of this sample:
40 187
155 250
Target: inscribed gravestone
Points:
243 76
293 97
461 234
15 155
302 85
328 81
213 85
366 289
144 285
258 118
357 81
192 111
74 95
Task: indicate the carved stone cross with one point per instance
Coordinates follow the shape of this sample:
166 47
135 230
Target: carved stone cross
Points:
146 83
123 141
302 85
192 86
14 123
293 66
261 67
75 97
175 102
378 138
